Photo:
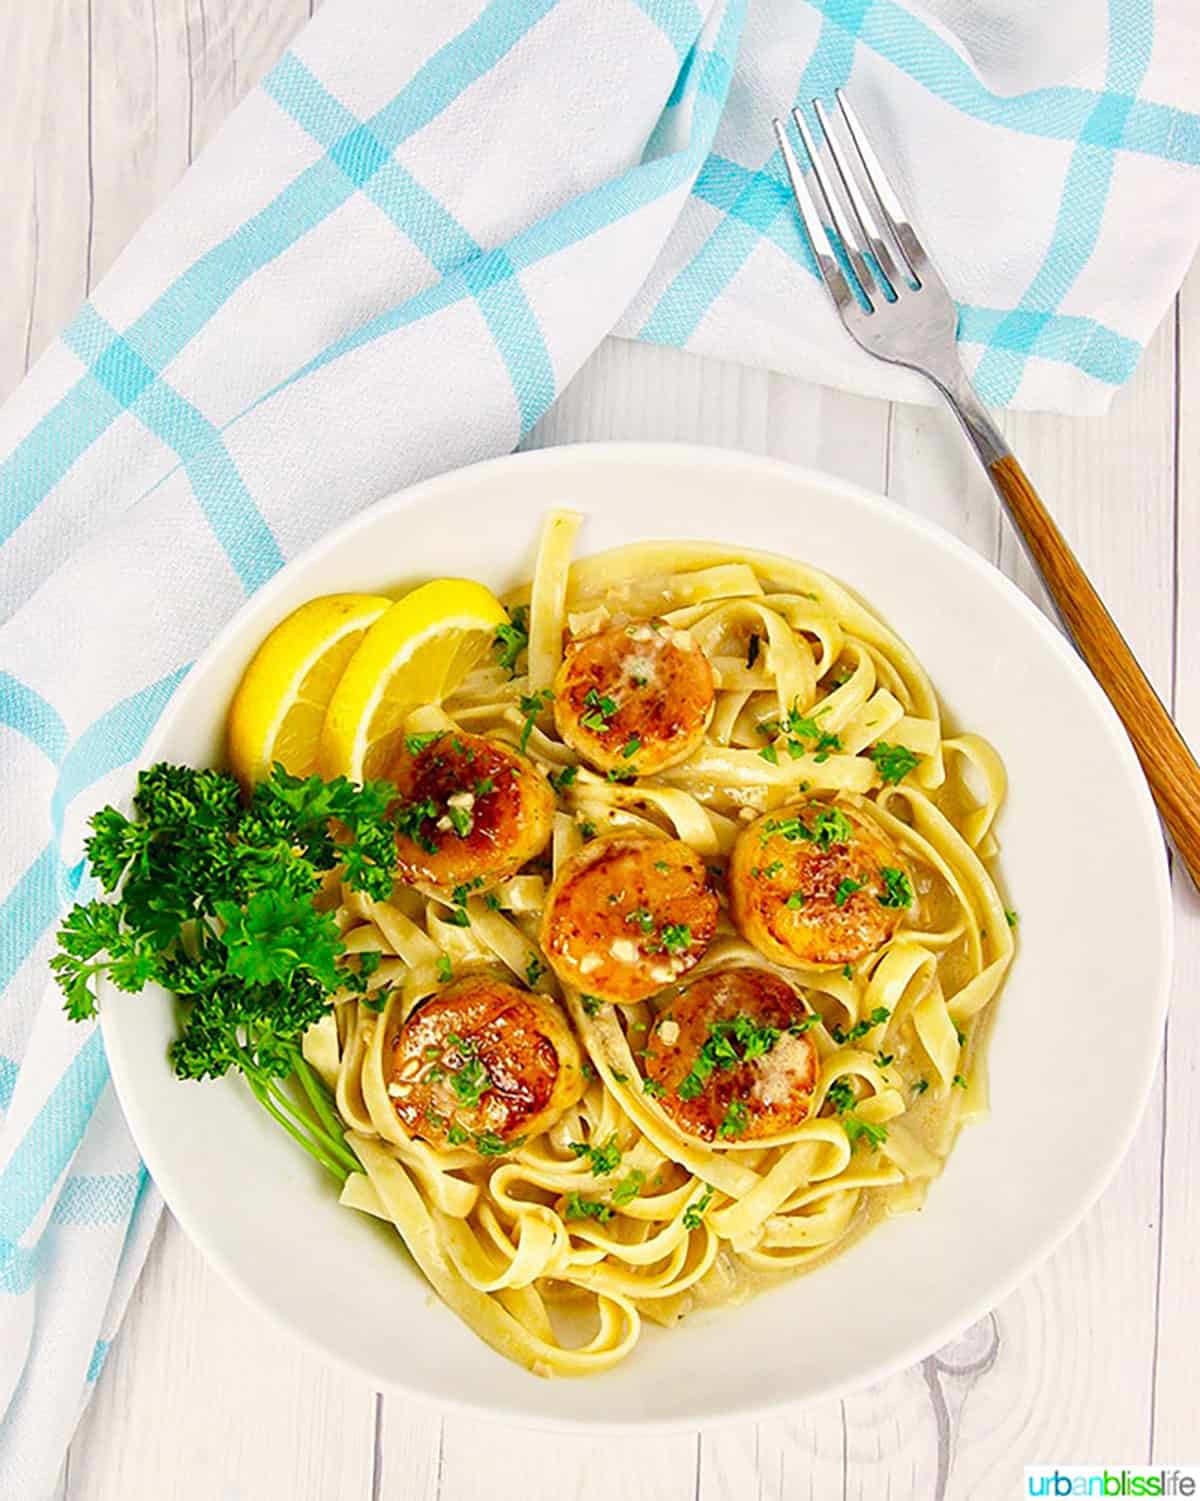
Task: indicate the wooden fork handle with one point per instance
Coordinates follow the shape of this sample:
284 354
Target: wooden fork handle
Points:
1169 765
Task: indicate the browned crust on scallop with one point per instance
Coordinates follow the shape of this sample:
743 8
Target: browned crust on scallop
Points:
511 821
521 1039
666 715
766 868
636 894
775 1090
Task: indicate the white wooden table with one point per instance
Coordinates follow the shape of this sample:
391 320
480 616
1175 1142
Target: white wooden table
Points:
1097 1357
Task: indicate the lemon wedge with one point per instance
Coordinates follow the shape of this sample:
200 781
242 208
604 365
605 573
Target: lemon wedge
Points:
280 703
415 654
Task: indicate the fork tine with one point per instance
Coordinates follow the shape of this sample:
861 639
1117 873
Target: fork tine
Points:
897 220
833 210
831 273
865 220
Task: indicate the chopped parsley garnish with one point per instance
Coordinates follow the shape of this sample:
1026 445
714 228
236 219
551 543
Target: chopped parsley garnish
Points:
492 902
662 866
730 1042
462 820
840 1095
795 901
883 1059
861 1028
456 1135
641 917
653 1088
825 745
534 971
628 1188
920 1086
800 728
483 786
445 970
511 640
735 1121
897 888
591 1004
846 889
415 744
531 705
675 937
603 1159
488 1144
805 1024
857 1130
619 1077
561 780
600 709
893 762
830 827
847 972
579 1208
470 1081
959 1082
770 755
410 820
587 830
1011 918
693 1215
631 747
460 917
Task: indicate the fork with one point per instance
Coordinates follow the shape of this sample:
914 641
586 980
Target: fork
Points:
901 312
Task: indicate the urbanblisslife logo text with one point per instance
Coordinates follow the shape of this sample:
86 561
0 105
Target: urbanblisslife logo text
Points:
1112 1480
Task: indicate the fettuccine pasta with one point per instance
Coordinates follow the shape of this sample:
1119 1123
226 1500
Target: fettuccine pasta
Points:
707 996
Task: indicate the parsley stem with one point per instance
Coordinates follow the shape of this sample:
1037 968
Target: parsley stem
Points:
310 1144
317 1096
329 1147
325 1147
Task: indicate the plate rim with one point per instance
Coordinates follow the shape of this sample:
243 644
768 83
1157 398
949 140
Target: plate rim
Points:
683 454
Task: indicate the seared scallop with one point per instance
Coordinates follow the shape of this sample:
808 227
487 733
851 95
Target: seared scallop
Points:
472 812
817 884
628 916
722 1060
483 1064
635 698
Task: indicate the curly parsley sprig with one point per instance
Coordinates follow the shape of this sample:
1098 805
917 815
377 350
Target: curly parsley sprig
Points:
212 898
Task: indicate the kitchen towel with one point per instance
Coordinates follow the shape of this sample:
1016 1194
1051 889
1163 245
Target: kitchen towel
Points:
389 262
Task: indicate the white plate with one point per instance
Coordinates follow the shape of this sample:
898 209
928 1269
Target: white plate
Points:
1073 1052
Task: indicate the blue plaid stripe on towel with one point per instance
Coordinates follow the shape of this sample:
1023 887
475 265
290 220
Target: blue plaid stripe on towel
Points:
390 261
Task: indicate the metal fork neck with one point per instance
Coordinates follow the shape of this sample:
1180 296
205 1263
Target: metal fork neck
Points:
986 438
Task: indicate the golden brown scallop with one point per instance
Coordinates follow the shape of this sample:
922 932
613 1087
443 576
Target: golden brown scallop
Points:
483 1063
472 812
723 1062
809 884
627 916
635 698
